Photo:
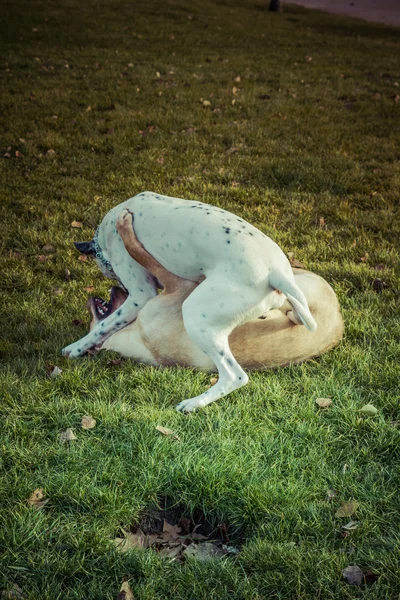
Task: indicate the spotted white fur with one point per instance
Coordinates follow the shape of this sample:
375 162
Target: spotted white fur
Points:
244 270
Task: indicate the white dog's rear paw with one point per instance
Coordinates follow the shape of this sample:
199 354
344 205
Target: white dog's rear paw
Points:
187 406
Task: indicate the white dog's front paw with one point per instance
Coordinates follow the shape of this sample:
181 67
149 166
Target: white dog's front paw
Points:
187 406
73 350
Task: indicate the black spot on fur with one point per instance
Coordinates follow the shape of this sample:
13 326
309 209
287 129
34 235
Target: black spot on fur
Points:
119 311
230 363
228 241
221 353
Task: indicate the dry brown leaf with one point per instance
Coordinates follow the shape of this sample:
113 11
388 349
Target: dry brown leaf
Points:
206 103
14 592
55 372
43 258
76 224
37 499
82 257
351 525
203 552
171 553
131 540
51 152
323 402
125 593
331 494
347 509
67 435
171 531
88 422
353 575
214 380
166 431
48 249
89 289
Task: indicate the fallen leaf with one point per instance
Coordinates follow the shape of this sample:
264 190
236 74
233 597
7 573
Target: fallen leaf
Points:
14 592
89 288
116 362
166 431
321 222
235 90
353 575
55 372
88 422
67 435
83 257
67 274
172 531
58 292
232 151
43 258
203 552
18 154
51 152
37 499
347 509
171 553
76 224
125 593
237 79
351 525
323 402
77 323
130 540
206 103
331 494
48 249
214 380
308 58
369 409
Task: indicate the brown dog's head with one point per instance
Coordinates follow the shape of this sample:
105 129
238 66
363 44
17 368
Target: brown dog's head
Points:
99 309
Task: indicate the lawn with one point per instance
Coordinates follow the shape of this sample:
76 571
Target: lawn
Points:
292 122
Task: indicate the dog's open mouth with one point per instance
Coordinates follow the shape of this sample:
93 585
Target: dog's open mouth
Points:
100 309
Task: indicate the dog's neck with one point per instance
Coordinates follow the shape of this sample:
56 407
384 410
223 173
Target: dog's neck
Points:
98 251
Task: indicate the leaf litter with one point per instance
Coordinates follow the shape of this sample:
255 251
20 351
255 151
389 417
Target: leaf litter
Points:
166 431
37 499
181 540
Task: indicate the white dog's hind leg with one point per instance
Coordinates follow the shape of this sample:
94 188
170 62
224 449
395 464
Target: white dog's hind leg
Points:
209 325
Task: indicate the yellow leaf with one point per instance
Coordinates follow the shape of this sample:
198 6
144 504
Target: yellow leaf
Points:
76 224
347 509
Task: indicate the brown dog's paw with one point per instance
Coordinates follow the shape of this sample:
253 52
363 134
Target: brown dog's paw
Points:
125 221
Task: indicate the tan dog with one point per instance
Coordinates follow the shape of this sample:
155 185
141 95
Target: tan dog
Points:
158 335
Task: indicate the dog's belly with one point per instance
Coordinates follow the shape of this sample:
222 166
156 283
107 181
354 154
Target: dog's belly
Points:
191 239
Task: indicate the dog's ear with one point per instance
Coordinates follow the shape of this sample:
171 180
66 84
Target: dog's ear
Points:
296 298
85 247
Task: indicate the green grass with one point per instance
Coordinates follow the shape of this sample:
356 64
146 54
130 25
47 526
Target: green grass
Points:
315 138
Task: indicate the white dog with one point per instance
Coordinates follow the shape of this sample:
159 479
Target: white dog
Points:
241 272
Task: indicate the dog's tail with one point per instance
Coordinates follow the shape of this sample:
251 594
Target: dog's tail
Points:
297 299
